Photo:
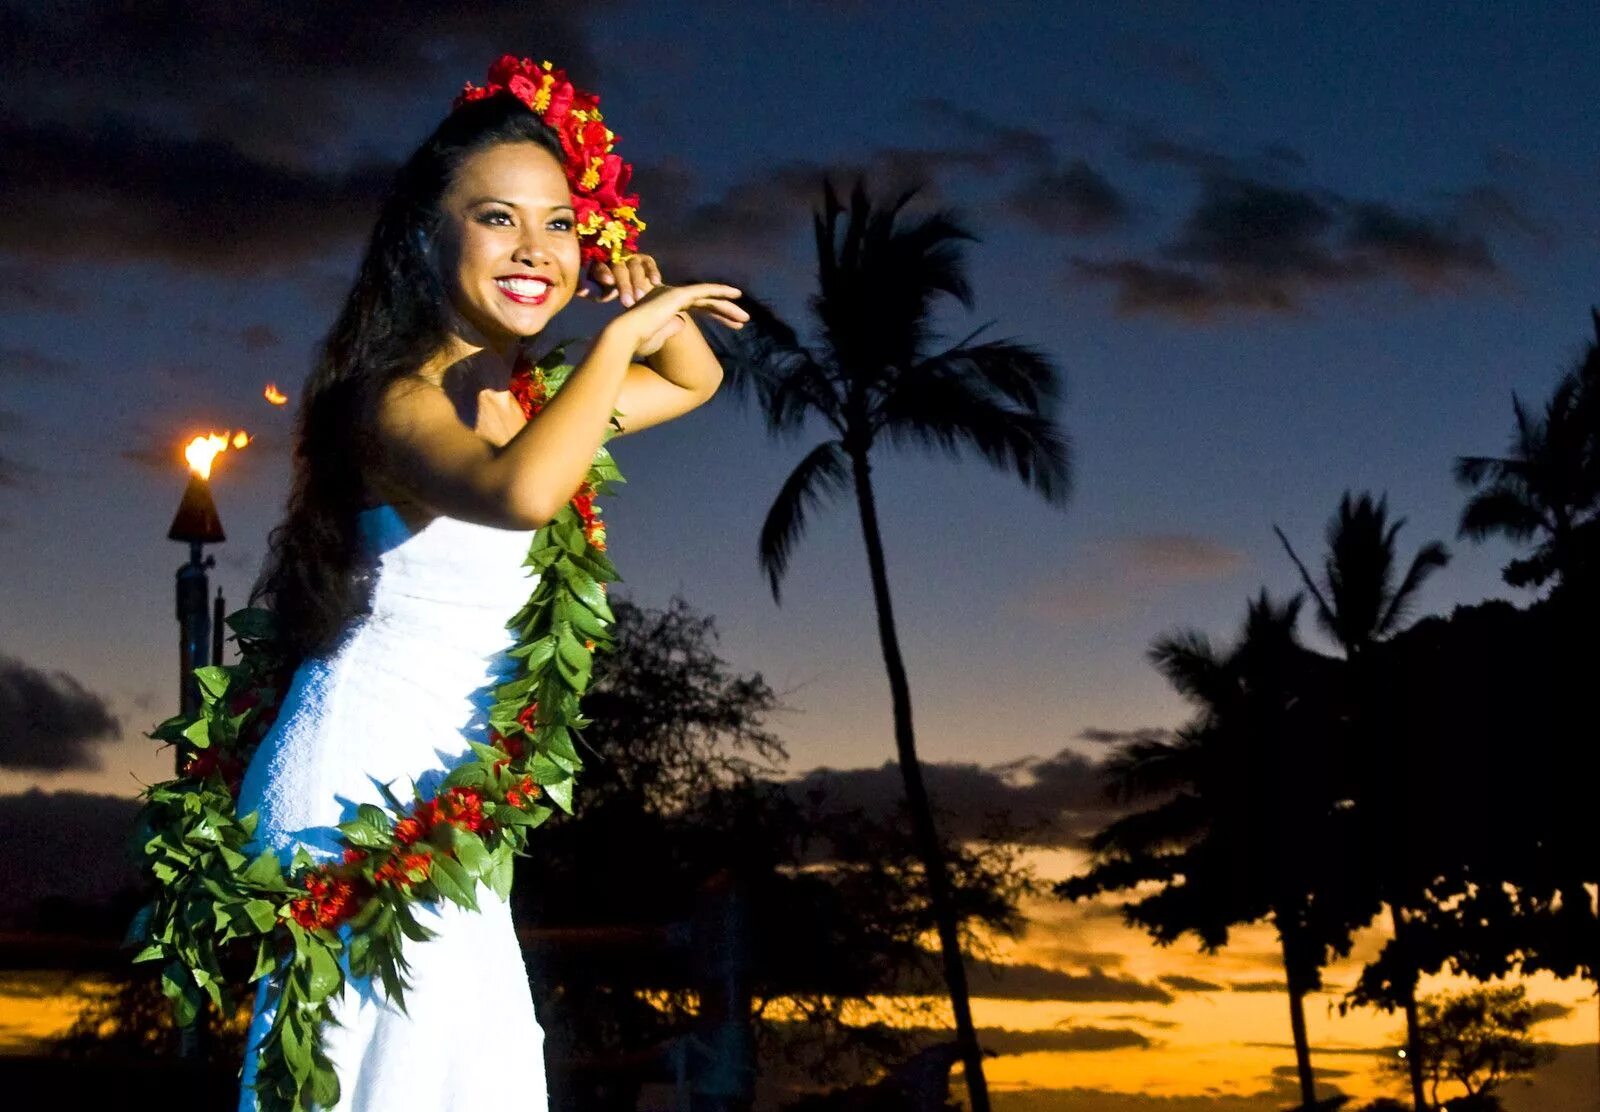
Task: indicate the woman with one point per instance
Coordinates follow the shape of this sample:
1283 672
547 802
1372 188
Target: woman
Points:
417 490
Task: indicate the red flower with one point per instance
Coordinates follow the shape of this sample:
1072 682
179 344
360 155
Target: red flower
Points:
501 72
524 793
614 175
409 830
528 387
525 719
523 89
561 94
329 902
512 746
353 855
405 870
462 808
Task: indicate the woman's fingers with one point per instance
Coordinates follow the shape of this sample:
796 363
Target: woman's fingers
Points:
724 302
607 280
638 275
725 312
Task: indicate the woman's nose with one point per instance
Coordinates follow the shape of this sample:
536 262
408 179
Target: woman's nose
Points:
530 252
533 249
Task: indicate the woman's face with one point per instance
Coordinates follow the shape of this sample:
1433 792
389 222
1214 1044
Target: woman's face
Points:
509 247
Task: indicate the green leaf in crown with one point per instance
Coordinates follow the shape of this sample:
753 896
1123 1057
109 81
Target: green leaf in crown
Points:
297 923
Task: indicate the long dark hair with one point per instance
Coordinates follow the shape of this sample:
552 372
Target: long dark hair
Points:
394 320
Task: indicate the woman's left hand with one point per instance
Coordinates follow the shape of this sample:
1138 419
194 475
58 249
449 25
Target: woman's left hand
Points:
630 279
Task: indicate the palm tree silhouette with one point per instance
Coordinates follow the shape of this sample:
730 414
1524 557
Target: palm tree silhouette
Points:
1359 605
1547 485
872 379
1245 826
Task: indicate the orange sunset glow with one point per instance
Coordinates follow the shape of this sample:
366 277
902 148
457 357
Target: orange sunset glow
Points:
1187 1023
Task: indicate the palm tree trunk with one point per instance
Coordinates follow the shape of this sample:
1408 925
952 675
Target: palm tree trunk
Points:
1297 1021
1413 1039
927 838
1413 1026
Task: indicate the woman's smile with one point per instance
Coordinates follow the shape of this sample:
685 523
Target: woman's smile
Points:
525 290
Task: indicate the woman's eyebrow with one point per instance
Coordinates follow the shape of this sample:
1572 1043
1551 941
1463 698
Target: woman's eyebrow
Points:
512 204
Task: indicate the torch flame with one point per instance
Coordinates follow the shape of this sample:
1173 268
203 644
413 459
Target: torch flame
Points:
274 395
202 450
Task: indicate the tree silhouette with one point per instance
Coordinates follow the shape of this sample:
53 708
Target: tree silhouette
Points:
1359 605
1547 486
873 379
1246 827
1478 1039
1489 711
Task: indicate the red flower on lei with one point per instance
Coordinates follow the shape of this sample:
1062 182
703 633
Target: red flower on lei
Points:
330 900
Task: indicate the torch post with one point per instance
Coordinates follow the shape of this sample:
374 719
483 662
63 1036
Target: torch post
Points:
196 524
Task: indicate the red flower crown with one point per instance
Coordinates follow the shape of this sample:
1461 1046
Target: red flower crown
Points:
607 221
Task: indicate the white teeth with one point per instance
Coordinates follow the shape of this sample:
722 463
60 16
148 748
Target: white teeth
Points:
523 287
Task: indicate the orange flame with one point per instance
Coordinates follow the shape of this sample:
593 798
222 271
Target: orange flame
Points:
274 395
202 450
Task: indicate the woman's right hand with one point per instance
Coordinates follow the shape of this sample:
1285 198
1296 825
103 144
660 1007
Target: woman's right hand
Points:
642 323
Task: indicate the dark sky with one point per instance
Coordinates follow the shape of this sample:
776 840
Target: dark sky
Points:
1278 251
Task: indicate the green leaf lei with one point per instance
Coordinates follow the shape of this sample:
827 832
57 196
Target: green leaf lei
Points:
212 897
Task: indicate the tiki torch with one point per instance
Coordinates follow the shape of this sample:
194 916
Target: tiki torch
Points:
197 523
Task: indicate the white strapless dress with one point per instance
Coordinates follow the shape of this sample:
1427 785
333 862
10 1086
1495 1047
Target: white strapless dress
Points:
396 703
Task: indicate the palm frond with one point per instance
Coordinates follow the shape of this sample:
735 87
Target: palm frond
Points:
1173 824
1326 618
1471 471
877 283
1021 374
766 360
1429 559
1192 665
1153 767
949 407
825 471
1499 509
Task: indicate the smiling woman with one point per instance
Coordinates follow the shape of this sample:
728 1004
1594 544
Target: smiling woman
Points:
435 463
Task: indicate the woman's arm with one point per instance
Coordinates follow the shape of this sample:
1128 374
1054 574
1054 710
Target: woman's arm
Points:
427 452
450 469
681 376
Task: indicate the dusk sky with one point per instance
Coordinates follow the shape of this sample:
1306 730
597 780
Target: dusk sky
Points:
1277 251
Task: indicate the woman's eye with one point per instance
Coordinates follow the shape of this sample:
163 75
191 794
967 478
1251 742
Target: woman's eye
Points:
495 216
563 221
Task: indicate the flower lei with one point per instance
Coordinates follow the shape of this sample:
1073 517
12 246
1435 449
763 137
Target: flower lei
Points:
607 218
299 923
